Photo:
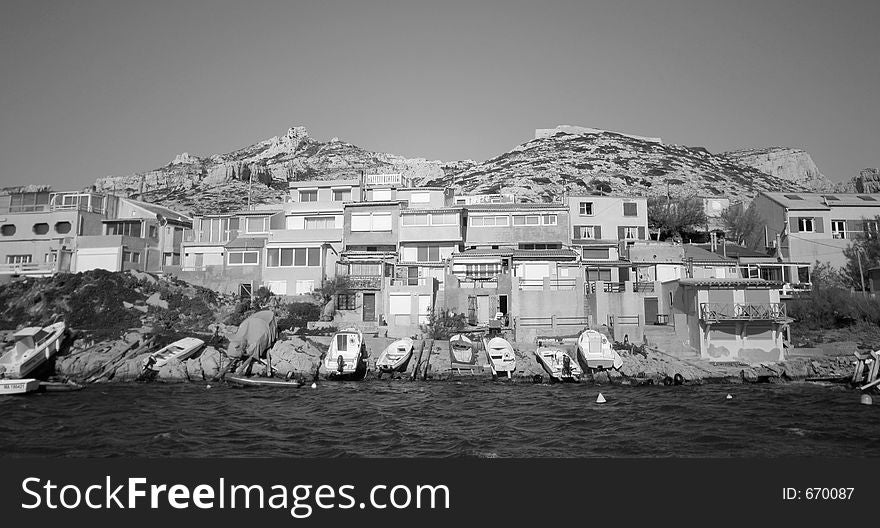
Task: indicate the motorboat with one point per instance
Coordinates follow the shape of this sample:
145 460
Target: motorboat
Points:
179 350
559 363
18 386
499 351
33 346
396 356
595 351
462 350
347 356
259 381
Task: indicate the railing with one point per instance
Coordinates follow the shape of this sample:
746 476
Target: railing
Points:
364 282
715 312
471 284
553 284
614 287
643 287
411 281
83 202
552 321
26 268
623 320
385 179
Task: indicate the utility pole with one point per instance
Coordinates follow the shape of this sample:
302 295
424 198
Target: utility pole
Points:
861 272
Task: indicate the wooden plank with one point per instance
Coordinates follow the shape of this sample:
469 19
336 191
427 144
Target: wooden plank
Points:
415 371
869 385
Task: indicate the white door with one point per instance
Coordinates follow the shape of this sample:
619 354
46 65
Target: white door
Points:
109 259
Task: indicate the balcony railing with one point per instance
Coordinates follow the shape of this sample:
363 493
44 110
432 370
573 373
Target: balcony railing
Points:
716 312
553 284
411 281
643 287
364 282
385 179
623 320
475 283
614 287
29 268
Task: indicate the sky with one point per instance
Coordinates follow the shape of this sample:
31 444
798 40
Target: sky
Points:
92 88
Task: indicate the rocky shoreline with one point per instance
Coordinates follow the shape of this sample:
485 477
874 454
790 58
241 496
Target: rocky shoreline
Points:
300 357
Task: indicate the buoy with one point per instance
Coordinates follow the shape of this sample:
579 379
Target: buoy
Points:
729 397
600 399
208 386
314 385
866 399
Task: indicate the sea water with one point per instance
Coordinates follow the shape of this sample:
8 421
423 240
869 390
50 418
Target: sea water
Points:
440 419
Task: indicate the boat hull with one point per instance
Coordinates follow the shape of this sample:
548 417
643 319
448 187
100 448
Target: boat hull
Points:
18 386
595 352
28 362
395 357
548 358
353 356
262 382
500 355
462 350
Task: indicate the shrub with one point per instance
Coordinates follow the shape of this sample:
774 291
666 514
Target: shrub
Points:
443 324
297 315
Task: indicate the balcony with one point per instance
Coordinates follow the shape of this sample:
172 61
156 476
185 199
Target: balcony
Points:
719 312
29 268
548 283
372 180
364 282
644 287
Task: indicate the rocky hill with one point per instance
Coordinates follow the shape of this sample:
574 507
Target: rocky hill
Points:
598 161
565 159
219 183
790 164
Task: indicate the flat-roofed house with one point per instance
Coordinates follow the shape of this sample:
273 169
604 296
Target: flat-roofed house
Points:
811 227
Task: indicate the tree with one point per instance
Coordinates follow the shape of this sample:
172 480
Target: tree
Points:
743 226
671 217
865 245
443 324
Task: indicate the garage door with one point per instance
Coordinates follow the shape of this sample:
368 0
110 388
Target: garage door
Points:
98 258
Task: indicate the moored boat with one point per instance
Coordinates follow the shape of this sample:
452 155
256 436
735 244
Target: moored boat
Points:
179 350
595 352
18 386
500 354
33 346
258 381
558 363
396 356
347 356
462 349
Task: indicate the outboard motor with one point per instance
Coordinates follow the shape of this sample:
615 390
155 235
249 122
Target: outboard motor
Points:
566 365
340 364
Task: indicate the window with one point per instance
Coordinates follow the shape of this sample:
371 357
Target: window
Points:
838 229
867 198
293 257
51 257
587 232
630 209
132 229
428 254
520 220
62 227
831 197
585 209
438 219
482 270
131 256
793 197
420 197
541 245
595 253
18 259
243 258
320 222
600 274
371 222
257 224
277 287
548 219
7 229
630 233
345 301
489 221
304 287
805 225
171 259
308 195
153 232
365 269
342 195
28 202
415 219
41 228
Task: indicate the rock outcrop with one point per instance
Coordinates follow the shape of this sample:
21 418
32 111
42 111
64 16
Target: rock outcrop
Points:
789 164
868 181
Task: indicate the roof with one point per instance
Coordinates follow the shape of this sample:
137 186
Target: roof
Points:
376 203
726 284
412 210
606 263
164 212
545 254
734 250
28 332
675 254
701 255
247 243
823 201
323 183
516 207
486 252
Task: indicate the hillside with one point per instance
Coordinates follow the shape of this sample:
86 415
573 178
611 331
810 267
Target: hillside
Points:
565 159
611 163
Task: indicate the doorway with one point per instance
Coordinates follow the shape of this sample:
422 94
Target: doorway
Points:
651 310
369 307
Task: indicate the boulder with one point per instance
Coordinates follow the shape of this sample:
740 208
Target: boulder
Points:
210 361
173 371
194 369
156 301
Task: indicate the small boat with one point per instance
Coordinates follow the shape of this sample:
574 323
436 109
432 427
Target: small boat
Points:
179 350
595 352
462 350
33 346
18 386
558 363
501 356
396 356
347 356
60 386
258 381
